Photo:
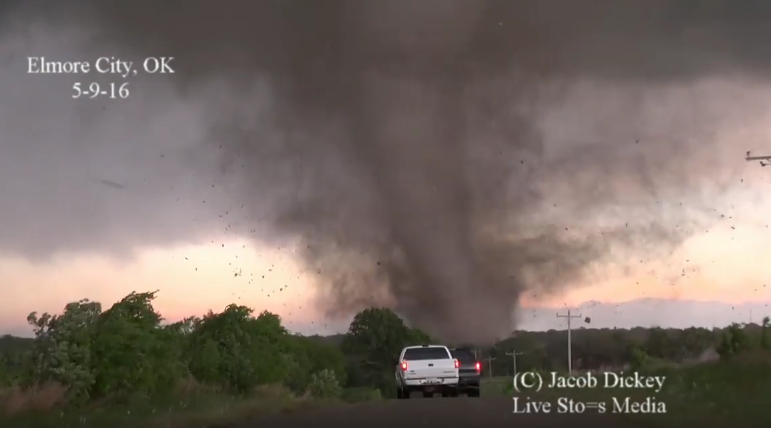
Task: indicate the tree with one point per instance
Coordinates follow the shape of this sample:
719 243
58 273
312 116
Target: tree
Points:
639 358
238 351
374 340
131 352
62 349
308 356
765 341
734 341
377 334
659 344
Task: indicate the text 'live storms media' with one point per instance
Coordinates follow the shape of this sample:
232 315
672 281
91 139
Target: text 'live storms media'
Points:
554 392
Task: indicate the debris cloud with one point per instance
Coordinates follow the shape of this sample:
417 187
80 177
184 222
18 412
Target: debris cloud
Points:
445 157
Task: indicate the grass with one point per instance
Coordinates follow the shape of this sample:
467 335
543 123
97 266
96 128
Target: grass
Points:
191 406
704 395
496 386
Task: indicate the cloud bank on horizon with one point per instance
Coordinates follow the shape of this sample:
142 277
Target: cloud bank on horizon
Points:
435 156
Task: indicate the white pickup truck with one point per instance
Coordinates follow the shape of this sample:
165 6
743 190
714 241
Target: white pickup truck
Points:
427 368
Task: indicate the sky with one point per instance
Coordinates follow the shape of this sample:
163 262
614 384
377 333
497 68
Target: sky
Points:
195 278
104 197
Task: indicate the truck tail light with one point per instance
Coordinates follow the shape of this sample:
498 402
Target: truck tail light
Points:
478 367
404 366
457 363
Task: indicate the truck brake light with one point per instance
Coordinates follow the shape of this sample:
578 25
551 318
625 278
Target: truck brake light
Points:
457 363
478 367
404 366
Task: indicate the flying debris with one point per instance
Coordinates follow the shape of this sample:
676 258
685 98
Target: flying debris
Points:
764 160
112 184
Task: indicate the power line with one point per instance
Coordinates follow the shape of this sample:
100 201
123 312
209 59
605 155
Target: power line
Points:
513 354
490 365
570 339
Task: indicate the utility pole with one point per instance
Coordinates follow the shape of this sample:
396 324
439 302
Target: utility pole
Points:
490 364
513 355
764 160
570 339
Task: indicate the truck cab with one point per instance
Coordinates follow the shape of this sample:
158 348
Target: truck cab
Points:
469 370
429 369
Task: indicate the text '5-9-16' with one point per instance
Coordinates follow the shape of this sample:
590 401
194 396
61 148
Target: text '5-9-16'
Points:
94 89
113 66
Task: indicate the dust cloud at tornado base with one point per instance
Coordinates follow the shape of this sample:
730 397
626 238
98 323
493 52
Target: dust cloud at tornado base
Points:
444 158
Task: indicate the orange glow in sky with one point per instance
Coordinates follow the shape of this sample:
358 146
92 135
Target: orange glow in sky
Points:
725 265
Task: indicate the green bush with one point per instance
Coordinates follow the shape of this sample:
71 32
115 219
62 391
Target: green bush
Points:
127 352
324 384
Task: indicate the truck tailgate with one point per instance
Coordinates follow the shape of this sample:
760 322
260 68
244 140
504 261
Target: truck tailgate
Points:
430 369
466 371
469 366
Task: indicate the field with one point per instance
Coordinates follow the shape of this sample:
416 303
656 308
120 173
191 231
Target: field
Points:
704 395
195 406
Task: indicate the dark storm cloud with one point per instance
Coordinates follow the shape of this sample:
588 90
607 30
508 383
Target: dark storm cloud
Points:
416 149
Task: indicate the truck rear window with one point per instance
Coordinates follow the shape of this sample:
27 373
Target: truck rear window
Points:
463 355
428 353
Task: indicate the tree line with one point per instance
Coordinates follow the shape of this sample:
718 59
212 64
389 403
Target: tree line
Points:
611 348
129 350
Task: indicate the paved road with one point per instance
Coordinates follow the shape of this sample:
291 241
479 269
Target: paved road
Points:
487 412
